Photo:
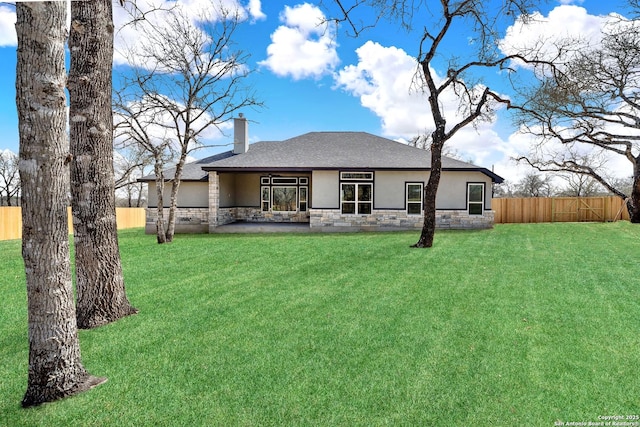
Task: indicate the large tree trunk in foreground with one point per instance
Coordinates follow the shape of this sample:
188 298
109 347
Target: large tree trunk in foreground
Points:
55 366
100 284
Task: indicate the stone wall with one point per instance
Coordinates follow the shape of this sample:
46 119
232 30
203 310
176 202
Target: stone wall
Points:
229 215
380 220
188 220
196 220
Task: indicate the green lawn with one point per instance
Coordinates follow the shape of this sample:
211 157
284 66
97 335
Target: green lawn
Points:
523 325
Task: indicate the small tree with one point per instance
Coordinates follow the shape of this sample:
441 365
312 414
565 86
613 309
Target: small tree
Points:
55 366
136 130
190 77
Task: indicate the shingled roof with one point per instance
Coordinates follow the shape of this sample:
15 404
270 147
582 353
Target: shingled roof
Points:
323 150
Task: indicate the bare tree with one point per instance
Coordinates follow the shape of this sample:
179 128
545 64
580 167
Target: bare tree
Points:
505 189
191 79
101 295
130 193
130 162
436 24
578 185
136 129
590 103
535 185
55 366
9 178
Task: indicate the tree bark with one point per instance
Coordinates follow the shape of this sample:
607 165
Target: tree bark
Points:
439 137
55 366
100 284
175 185
161 232
633 202
430 192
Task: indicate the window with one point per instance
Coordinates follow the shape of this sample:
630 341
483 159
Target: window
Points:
356 176
284 194
356 198
303 198
284 180
475 194
284 199
266 198
414 198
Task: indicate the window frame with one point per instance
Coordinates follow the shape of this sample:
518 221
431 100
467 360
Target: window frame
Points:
265 203
358 179
275 188
301 202
475 203
352 176
414 202
269 183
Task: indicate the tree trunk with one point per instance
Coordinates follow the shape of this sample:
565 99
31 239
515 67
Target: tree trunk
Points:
430 192
55 366
100 285
175 185
633 203
161 232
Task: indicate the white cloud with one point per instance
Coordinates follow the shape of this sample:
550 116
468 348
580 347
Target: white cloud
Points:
6 153
7 27
255 10
382 80
304 46
565 22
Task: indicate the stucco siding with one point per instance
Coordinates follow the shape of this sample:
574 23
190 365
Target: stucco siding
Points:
227 186
239 190
389 189
325 193
248 190
452 193
190 194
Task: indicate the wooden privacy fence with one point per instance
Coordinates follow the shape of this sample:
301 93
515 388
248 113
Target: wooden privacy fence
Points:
11 220
559 209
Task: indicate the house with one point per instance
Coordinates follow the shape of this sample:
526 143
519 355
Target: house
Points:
333 181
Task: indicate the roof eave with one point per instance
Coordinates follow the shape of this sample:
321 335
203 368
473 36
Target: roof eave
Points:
153 179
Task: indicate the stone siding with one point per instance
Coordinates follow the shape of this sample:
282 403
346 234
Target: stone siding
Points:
196 220
380 220
188 220
229 215
214 200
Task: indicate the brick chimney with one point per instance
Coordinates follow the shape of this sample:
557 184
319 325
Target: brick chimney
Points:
240 135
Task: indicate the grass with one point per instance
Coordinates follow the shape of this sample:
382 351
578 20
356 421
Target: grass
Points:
523 325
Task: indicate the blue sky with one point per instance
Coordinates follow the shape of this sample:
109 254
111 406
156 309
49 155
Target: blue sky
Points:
312 80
